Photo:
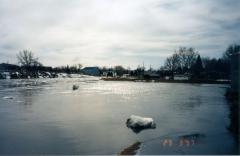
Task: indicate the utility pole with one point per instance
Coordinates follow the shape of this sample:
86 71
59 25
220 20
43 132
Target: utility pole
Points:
143 70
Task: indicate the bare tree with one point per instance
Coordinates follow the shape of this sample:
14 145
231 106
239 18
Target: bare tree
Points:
232 49
191 57
182 52
120 70
169 64
27 59
187 57
172 63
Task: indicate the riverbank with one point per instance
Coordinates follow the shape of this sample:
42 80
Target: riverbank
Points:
165 81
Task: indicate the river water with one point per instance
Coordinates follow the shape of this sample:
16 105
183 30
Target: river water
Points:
45 116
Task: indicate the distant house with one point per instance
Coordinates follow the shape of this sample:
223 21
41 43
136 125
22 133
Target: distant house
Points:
93 71
181 77
5 75
5 67
109 74
126 75
151 75
8 71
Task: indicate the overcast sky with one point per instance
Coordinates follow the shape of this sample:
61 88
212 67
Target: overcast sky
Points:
112 32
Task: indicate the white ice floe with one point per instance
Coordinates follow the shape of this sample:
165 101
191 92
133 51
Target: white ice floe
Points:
8 97
138 122
75 87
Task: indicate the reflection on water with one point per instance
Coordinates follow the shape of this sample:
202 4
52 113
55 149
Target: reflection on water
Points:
138 130
27 96
47 117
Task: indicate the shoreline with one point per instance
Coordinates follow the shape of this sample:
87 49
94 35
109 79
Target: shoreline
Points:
141 80
167 81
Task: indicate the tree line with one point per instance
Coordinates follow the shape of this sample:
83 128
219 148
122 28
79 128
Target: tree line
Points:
184 61
188 61
30 63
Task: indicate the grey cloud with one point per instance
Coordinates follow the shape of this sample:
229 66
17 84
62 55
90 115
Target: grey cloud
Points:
107 32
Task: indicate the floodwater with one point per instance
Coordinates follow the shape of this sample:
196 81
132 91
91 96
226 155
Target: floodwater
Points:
45 116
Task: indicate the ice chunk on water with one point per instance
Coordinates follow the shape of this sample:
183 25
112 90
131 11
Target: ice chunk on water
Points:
8 97
75 87
138 123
